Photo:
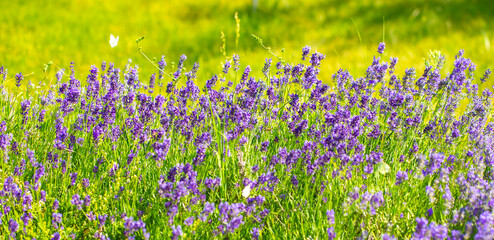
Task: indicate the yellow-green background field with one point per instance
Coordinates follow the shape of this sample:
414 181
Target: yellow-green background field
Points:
33 33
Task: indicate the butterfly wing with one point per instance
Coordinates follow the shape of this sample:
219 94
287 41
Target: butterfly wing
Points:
246 191
383 168
113 40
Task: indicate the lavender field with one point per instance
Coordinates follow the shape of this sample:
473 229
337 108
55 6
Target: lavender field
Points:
372 155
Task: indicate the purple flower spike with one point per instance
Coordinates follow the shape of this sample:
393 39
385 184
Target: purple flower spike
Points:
331 233
380 48
56 236
13 226
305 52
330 216
18 78
264 146
176 232
401 176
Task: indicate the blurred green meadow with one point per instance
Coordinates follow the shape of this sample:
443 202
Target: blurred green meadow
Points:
34 33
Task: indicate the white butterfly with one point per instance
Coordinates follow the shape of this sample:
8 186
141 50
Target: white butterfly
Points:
246 191
113 40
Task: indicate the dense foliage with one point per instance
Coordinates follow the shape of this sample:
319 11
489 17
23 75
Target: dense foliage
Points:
283 155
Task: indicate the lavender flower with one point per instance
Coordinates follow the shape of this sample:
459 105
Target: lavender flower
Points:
130 157
430 193
25 107
85 182
13 227
226 67
387 237
438 231
324 135
56 236
245 75
26 217
56 204
189 221
3 127
73 178
330 216
76 200
400 177
26 201
255 233
42 194
485 229
331 233
41 116
305 52
102 220
56 219
294 181
176 232
380 48
87 201
161 65
316 59
486 75
18 78
266 67
236 62
421 230
152 81
132 226
264 146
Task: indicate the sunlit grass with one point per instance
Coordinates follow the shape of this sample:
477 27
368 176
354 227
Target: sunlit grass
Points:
35 33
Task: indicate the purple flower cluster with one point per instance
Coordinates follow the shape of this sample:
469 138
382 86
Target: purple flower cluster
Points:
251 154
18 78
